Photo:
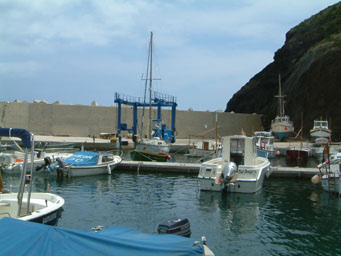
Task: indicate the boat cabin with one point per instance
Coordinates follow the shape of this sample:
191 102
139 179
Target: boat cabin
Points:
281 119
239 149
320 124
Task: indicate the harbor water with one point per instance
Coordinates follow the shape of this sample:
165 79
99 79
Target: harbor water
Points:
287 217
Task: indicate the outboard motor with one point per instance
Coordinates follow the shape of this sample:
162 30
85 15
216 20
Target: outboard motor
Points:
176 226
228 172
47 163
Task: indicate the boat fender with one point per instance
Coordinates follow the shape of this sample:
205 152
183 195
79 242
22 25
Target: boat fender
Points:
169 157
315 179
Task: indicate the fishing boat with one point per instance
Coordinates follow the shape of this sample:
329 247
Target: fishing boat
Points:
44 208
320 132
265 144
239 170
85 163
23 238
330 174
153 148
281 126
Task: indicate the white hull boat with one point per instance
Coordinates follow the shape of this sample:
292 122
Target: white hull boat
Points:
320 131
14 162
239 170
85 164
44 208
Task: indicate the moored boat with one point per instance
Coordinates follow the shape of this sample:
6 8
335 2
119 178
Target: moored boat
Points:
85 163
265 144
297 156
239 170
44 208
281 126
320 131
153 149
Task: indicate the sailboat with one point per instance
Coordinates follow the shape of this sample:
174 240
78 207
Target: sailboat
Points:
281 126
154 148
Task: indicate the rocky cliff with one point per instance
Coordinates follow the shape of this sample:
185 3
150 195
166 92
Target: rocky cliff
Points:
310 67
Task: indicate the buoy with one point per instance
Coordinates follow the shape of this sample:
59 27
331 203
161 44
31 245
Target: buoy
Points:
278 153
315 179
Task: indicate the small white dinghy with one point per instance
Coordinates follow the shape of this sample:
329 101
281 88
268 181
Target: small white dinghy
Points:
85 163
239 170
43 208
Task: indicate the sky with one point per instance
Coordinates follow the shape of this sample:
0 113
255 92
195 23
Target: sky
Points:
80 51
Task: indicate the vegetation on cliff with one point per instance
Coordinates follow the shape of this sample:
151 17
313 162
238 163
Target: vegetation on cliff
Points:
310 66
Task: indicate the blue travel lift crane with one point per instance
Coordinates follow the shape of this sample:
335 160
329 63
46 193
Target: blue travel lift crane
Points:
159 129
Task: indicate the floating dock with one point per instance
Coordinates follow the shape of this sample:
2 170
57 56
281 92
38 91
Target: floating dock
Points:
193 168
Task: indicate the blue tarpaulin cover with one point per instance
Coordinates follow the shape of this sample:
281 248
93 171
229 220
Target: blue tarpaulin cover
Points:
23 134
83 158
27 238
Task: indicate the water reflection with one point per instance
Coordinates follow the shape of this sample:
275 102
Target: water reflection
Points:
238 212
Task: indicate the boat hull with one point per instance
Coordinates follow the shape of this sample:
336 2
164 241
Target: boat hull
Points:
139 155
281 135
297 157
266 153
320 133
80 171
333 187
249 178
45 208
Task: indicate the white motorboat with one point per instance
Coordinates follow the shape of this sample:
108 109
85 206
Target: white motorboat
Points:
281 126
330 174
265 144
239 169
14 162
320 131
44 208
85 163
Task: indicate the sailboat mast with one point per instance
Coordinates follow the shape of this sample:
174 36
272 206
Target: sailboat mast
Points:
280 96
150 85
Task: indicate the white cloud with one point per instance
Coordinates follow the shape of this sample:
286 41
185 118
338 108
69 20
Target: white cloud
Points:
198 43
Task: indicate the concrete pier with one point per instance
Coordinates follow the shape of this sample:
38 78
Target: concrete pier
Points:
193 168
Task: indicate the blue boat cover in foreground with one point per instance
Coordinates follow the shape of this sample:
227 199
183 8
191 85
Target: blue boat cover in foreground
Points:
28 238
23 134
83 158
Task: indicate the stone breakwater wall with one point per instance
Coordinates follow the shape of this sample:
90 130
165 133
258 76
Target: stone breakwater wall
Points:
83 121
